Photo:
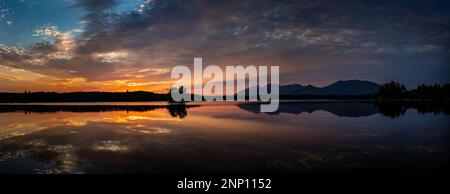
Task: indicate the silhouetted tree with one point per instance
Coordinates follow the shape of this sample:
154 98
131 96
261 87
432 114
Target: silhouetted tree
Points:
435 91
392 90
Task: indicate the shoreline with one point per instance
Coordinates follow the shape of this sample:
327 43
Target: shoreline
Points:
205 103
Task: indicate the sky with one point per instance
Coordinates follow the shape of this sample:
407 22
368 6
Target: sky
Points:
119 45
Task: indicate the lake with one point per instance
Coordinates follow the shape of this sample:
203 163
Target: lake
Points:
157 138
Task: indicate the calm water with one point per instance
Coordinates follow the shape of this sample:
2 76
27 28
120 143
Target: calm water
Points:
302 138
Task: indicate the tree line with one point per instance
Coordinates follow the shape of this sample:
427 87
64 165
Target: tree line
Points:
388 91
395 90
137 96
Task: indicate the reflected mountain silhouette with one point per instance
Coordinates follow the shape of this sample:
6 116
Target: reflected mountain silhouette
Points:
391 109
345 109
356 108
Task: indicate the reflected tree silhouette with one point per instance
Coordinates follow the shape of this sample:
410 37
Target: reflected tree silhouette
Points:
179 111
175 110
396 109
391 109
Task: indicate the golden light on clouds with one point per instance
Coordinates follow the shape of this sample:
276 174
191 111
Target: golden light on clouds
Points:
14 74
22 80
111 57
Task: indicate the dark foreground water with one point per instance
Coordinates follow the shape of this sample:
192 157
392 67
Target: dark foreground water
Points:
301 138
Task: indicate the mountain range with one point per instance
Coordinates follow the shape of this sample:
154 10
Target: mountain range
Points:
339 88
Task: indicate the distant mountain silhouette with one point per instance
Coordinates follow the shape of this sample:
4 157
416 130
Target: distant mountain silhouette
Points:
340 88
289 89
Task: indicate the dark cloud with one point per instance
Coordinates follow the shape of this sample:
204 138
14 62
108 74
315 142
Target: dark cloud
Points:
42 48
9 56
95 5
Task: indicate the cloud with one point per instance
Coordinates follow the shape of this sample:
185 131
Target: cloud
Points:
300 36
46 31
95 5
42 48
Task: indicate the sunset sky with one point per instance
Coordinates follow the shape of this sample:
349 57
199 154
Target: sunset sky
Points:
118 45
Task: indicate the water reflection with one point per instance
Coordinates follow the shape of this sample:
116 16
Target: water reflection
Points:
356 109
178 110
338 108
397 109
220 139
347 109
